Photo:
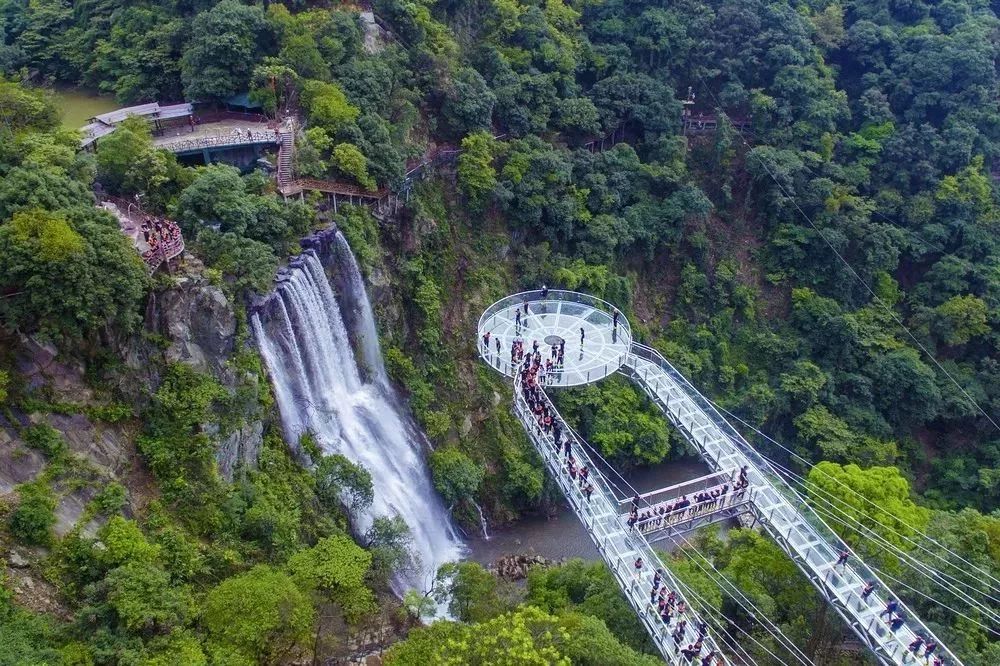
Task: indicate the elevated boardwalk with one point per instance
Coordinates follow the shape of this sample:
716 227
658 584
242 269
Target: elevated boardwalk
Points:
780 511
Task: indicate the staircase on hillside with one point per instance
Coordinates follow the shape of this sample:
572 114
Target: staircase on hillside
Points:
286 137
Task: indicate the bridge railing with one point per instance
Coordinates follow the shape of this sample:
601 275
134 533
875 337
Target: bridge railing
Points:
792 509
619 548
242 138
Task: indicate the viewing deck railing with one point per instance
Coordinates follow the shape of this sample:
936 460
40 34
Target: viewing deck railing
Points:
567 375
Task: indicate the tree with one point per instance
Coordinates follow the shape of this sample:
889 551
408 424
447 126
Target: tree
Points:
468 102
908 394
145 600
476 175
248 264
32 520
27 108
469 590
327 106
260 615
127 162
68 276
225 46
336 569
337 478
389 540
961 318
525 637
349 160
456 476
25 188
876 499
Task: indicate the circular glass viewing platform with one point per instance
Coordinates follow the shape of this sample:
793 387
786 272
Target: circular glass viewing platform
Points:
550 320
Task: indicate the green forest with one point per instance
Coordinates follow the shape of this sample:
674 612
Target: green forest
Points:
824 265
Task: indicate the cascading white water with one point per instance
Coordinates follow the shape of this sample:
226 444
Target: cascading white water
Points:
319 389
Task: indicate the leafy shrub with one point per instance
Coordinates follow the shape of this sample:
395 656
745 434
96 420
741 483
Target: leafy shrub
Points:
44 438
34 517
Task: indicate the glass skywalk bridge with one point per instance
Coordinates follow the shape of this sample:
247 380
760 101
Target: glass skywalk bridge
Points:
554 317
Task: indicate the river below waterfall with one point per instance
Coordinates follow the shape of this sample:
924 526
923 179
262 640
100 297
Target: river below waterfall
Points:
563 535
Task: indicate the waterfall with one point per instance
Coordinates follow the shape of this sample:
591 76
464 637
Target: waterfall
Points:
482 520
320 388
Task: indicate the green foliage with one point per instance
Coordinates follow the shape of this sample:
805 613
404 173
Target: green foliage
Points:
456 476
256 617
127 162
144 599
350 161
31 522
340 480
25 638
388 540
619 420
327 106
961 318
476 176
469 590
55 273
178 450
588 588
224 45
44 438
877 499
526 637
336 568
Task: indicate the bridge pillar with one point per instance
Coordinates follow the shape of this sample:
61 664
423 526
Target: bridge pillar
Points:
206 154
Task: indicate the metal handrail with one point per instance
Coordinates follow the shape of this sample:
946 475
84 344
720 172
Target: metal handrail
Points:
218 140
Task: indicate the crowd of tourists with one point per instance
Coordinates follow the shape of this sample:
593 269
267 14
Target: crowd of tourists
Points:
162 237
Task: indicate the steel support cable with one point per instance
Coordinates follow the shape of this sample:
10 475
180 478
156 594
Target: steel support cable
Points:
718 625
935 600
517 388
974 603
868 532
938 577
635 492
834 517
916 531
850 268
710 611
780 637
717 619
715 577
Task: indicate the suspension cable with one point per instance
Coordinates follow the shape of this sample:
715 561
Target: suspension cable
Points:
726 585
922 567
963 596
867 501
780 637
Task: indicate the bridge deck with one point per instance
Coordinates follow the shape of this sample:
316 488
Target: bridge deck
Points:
618 546
798 530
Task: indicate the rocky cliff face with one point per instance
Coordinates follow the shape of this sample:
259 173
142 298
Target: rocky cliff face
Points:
190 322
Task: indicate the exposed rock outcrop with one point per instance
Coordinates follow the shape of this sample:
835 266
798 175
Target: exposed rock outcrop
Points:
516 567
